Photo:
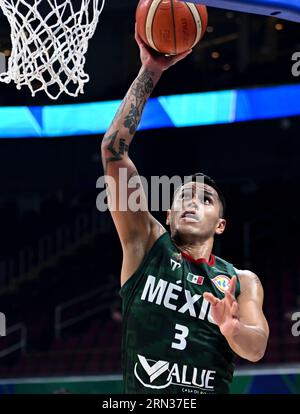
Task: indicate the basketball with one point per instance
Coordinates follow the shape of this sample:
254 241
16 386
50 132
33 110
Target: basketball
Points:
170 26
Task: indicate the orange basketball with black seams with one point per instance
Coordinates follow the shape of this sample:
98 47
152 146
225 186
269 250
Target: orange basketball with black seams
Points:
171 26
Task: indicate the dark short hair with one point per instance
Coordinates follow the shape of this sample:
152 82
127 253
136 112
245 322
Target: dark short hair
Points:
209 181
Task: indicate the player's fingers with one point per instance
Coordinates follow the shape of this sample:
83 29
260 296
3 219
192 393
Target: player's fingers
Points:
211 298
180 56
136 33
138 37
229 297
142 45
232 285
234 309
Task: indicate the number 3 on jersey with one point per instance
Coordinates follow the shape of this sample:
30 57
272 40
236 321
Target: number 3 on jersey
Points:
180 337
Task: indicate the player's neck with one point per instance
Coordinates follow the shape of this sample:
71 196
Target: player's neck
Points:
197 250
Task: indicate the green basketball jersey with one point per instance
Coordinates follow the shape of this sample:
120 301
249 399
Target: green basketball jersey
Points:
170 341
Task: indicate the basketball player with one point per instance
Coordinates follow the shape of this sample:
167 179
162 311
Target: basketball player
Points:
186 313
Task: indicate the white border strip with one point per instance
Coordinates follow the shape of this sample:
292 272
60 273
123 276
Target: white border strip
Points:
48 380
268 371
279 370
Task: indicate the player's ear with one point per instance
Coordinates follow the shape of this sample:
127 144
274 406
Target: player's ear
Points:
221 226
168 217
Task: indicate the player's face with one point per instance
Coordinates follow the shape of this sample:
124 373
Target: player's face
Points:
196 212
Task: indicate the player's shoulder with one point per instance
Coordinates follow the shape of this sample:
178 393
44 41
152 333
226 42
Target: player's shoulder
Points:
245 273
247 278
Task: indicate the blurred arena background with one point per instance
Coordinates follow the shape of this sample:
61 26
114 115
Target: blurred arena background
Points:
60 258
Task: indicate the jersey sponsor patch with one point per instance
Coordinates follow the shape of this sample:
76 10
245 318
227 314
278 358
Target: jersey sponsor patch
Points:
196 279
222 282
161 374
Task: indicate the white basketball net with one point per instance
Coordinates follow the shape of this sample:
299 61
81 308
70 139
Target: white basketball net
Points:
49 43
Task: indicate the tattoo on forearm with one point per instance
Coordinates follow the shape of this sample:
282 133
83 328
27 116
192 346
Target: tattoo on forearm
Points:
132 119
133 174
120 110
145 83
137 95
140 90
117 149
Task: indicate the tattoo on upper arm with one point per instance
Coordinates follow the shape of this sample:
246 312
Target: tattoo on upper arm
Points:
250 284
257 281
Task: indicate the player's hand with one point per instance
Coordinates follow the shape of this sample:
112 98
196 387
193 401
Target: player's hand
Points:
225 311
154 61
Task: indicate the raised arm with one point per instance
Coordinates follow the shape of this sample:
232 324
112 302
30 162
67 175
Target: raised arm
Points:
137 230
